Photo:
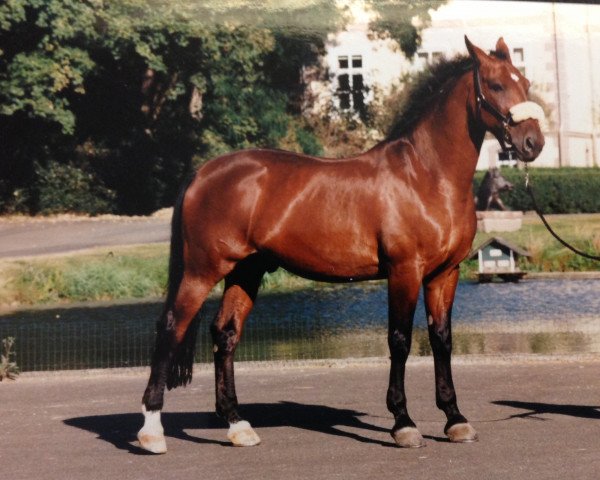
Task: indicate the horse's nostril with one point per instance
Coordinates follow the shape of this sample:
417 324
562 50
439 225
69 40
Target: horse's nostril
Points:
529 144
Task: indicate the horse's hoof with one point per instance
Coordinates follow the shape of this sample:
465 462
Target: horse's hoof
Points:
242 435
408 437
462 433
152 443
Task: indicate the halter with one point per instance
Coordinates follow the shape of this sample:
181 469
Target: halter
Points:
505 120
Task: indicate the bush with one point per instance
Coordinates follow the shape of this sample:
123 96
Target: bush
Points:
308 142
66 188
564 190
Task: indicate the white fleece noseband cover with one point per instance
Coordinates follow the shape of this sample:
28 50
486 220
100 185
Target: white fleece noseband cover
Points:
525 110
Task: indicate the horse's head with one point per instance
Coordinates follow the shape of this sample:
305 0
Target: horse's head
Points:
501 101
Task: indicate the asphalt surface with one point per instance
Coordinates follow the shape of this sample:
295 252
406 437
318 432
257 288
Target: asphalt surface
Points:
536 420
25 238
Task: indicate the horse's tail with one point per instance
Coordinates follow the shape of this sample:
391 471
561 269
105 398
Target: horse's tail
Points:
176 263
180 372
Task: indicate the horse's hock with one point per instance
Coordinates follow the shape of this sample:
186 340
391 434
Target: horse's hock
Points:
499 221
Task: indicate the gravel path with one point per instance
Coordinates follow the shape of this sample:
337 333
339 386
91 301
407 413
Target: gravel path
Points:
21 237
536 421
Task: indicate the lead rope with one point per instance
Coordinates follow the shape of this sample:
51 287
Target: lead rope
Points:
529 189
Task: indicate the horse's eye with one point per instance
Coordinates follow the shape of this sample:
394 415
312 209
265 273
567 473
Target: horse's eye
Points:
496 87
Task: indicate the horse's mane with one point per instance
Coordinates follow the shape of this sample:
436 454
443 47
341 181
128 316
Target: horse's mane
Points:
425 90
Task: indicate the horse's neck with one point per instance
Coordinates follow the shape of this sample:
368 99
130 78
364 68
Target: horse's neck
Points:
448 141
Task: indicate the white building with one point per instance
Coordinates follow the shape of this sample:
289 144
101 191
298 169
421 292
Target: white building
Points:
557 46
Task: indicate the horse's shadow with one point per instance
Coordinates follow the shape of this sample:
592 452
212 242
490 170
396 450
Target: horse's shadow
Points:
120 429
534 409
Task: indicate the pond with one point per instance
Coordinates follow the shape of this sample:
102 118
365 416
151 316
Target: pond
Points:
558 316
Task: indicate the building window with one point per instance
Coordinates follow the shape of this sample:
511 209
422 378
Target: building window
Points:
344 82
426 57
518 60
518 55
350 83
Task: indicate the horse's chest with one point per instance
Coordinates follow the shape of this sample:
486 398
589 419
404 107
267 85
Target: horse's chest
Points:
434 237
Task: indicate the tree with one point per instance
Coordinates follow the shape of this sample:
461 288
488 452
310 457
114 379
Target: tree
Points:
403 21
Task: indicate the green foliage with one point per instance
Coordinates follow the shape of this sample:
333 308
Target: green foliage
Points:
66 188
565 190
8 367
308 142
395 20
41 65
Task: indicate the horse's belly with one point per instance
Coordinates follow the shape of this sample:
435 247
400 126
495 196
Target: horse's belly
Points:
328 255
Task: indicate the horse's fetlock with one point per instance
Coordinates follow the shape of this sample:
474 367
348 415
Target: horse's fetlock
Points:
153 400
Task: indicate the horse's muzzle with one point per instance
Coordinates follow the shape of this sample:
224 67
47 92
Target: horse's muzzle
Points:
528 140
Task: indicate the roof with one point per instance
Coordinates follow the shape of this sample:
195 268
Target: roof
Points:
502 243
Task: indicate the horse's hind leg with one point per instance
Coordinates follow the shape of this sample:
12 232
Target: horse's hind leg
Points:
171 341
439 296
241 287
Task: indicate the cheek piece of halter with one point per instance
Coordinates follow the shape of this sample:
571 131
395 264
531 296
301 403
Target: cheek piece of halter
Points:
516 114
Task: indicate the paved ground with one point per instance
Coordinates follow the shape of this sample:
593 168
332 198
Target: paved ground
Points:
26 237
536 420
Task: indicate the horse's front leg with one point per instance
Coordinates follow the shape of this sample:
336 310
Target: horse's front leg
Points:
439 297
403 291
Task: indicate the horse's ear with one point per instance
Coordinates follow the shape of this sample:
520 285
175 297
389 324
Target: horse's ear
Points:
502 49
476 53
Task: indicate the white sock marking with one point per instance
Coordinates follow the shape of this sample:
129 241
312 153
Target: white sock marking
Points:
239 426
151 436
152 424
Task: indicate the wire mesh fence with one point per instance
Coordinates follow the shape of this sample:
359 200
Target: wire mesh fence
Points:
335 322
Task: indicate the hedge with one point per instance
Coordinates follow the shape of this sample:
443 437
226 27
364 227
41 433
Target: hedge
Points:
564 190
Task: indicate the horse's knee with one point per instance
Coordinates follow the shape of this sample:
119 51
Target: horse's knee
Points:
399 344
440 339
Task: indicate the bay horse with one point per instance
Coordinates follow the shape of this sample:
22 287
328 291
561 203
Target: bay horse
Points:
402 211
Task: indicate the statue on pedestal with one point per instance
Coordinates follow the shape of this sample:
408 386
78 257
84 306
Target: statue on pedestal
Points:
492 214
488 195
